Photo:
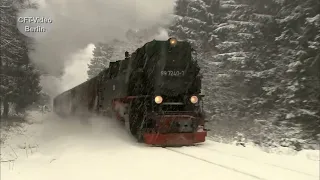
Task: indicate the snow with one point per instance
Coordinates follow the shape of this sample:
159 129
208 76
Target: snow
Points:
215 63
294 87
52 148
227 44
190 20
289 18
290 116
223 75
231 6
254 24
292 67
228 2
308 112
314 19
225 27
246 35
193 10
236 59
262 74
263 16
230 54
177 17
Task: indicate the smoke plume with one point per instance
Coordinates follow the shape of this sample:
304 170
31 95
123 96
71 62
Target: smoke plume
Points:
75 73
77 23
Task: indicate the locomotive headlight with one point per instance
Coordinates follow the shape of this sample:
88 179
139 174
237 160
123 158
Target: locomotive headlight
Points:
158 99
173 41
194 99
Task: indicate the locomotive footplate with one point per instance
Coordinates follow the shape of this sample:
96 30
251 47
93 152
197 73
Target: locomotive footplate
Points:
176 130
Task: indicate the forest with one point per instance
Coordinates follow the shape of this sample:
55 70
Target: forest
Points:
19 78
260 62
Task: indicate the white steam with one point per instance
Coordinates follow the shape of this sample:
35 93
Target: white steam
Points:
76 70
77 23
57 129
65 49
75 73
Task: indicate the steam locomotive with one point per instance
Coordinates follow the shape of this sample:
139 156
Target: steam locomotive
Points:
155 93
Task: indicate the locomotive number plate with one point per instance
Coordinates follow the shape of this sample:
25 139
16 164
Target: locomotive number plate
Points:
172 73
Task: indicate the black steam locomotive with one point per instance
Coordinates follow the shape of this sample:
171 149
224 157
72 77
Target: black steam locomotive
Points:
155 92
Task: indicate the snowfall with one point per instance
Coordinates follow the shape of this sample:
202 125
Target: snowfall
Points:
51 148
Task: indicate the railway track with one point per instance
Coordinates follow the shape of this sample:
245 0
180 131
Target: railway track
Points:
215 164
269 164
260 173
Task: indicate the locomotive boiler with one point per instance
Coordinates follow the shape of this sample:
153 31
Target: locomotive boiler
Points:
155 93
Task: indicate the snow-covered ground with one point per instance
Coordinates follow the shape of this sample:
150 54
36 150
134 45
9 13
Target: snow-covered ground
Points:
62 149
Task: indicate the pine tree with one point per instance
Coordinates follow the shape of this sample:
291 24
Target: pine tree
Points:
235 35
16 70
28 80
102 55
261 64
193 23
299 89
